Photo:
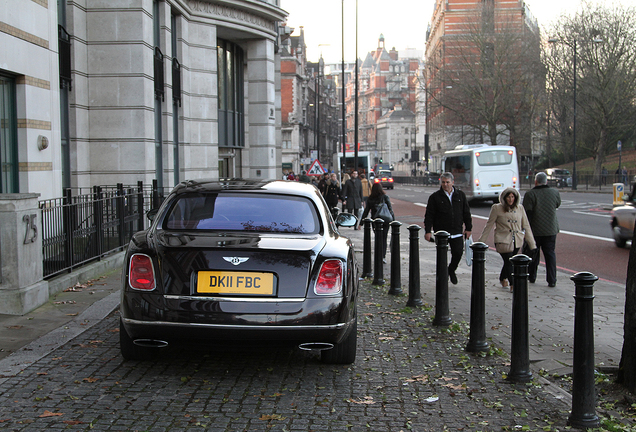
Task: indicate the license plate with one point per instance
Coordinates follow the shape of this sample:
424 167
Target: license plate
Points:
496 185
230 282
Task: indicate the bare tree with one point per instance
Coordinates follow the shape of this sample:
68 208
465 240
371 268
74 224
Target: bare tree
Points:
492 78
601 39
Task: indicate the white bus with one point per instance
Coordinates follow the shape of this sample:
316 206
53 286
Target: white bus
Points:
482 171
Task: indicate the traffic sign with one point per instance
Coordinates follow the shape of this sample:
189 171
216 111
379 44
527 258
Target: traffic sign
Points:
316 169
619 145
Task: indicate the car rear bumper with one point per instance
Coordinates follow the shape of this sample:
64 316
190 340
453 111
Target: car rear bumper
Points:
186 318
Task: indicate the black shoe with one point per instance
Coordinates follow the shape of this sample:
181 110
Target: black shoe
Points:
532 280
552 285
452 276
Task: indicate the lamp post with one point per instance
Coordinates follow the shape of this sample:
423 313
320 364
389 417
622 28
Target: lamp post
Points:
573 44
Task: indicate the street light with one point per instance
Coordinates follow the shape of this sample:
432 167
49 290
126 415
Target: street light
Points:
573 45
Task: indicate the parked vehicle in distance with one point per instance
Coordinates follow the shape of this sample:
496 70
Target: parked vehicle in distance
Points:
622 221
558 177
385 178
241 260
431 178
482 171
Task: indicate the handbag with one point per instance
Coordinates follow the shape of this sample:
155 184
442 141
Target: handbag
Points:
382 212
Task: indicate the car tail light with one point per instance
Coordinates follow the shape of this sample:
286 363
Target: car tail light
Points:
141 275
391 180
377 180
477 182
514 182
330 278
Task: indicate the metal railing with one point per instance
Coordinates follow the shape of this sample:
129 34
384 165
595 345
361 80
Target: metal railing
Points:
82 228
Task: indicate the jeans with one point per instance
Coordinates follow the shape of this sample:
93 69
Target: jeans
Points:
506 269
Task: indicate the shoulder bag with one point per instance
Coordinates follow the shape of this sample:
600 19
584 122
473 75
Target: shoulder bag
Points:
382 212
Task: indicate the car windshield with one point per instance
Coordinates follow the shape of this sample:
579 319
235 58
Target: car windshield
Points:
243 212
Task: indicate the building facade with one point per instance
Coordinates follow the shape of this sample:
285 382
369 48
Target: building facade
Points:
102 92
309 112
483 76
387 81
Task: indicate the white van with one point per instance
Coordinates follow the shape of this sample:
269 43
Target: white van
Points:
482 171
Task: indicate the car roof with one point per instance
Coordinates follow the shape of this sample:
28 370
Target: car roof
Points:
239 184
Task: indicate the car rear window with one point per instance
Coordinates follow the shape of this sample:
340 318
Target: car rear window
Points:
243 212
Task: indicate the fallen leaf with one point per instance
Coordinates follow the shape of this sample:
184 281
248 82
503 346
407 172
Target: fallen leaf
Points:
42 373
90 379
368 400
48 413
272 417
73 422
15 327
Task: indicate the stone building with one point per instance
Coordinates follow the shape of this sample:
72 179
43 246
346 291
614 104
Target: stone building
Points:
105 92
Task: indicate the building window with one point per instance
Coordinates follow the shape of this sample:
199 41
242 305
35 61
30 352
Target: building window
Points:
8 136
231 107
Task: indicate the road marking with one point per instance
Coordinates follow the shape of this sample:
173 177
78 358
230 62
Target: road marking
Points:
588 236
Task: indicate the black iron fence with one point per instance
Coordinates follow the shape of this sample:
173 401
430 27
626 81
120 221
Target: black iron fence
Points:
80 228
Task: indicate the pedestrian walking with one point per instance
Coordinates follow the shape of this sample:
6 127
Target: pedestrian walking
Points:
352 195
304 178
333 193
511 228
377 197
448 210
541 204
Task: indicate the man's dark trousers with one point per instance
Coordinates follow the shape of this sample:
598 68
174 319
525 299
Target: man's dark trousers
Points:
456 246
547 244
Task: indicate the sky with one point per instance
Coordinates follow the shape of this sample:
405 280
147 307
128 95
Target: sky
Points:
403 23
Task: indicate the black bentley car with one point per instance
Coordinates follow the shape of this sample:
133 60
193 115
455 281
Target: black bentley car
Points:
241 260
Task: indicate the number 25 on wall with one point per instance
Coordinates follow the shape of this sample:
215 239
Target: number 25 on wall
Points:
31 232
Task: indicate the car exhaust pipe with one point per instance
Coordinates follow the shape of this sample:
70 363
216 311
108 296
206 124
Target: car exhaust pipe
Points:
150 343
318 346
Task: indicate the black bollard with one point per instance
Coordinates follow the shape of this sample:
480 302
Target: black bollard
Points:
367 270
477 339
583 413
520 344
442 317
415 298
396 274
378 269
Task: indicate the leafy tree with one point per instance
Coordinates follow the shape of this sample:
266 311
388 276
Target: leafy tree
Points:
602 39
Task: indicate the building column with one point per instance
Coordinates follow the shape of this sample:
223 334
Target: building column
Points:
261 110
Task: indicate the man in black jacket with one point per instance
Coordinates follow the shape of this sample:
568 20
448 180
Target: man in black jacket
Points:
448 210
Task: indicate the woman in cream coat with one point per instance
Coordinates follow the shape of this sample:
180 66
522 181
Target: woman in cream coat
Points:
511 228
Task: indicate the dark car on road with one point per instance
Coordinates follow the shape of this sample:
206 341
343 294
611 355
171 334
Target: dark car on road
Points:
431 178
558 177
385 178
241 260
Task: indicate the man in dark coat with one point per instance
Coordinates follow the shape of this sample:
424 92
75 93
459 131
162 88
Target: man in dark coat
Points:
448 210
352 194
541 203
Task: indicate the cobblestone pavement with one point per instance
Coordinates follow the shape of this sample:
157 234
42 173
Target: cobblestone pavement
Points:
409 376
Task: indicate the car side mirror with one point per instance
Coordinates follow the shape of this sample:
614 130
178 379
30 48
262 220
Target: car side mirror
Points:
346 219
151 214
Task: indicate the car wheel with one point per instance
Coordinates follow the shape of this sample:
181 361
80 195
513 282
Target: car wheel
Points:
128 349
345 351
621 241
